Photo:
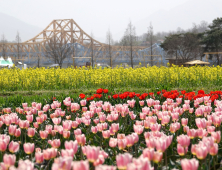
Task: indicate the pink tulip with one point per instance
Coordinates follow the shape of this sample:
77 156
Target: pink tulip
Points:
17 132
160 145
72 145
67 125
193 148
155 127
9 160
47 154
138 129
192 133
39 120
199 112
11 129
150 143
27 164
216 136
201 152
94 129
3 145
83 165
148 153
201 133
129 140
106 134
157 157
181 150
13 147
29 118
81 139
115 127
184 121
183 140
66 134
75 124
92 153
141 103
43 134
201 123
77 132
29 147
31 132
142 116
56 121
133 116
121 144
39 157
175 116
214 149
113 142
210 129
165 120
105 167
67 153
191 164
109 118
55 143
122 160
23 124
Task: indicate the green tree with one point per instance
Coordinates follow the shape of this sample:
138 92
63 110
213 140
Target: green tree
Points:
185 46
212 38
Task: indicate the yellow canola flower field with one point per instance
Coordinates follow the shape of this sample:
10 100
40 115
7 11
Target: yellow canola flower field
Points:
70 78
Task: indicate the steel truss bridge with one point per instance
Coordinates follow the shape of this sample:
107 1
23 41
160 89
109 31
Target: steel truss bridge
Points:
82 45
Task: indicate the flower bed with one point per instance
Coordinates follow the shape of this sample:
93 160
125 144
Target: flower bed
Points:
167 130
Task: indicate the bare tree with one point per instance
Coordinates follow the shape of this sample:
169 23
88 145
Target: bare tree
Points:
3 41
109 41
92 49
150 39
130 39
58 50
18 41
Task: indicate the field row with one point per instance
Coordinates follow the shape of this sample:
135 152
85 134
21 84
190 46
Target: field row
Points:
163 130
69 78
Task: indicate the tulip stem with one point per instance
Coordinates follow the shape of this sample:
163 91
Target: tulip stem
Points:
214 162
166 159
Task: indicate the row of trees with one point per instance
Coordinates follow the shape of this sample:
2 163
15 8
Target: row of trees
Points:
193 43
3 42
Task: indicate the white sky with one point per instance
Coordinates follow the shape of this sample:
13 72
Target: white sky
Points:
91 15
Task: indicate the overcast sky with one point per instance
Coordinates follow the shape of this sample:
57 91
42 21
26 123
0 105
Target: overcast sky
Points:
91 15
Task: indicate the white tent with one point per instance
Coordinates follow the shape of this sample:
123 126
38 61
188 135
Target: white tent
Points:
7 63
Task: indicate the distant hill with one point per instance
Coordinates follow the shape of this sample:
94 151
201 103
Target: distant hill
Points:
10 25
182 16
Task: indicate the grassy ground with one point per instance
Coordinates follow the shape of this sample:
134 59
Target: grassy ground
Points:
16 98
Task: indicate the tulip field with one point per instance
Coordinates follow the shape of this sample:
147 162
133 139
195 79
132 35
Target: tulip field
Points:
126 131
118 77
